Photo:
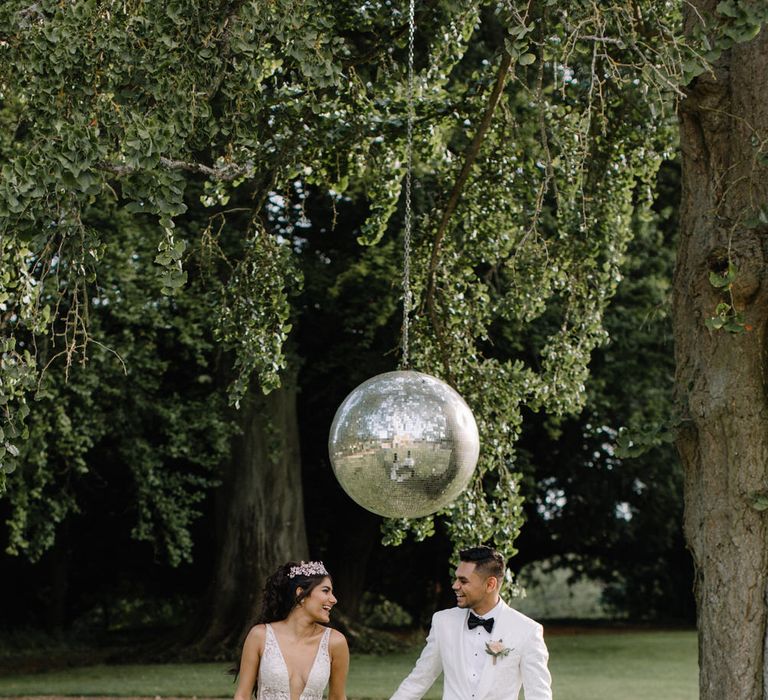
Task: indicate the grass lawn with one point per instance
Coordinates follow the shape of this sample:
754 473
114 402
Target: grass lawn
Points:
628 666
594 666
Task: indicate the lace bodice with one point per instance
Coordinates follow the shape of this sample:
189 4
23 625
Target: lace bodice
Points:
273 681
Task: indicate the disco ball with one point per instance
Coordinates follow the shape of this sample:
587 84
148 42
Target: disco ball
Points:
403 444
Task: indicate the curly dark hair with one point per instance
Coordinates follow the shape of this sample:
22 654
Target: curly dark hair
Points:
280 592
280 598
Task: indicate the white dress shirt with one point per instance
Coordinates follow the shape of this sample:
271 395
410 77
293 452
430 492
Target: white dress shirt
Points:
474 647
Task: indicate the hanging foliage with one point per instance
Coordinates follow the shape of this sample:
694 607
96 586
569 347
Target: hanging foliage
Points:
539 128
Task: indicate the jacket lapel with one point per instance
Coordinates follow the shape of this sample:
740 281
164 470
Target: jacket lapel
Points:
457 640
501 630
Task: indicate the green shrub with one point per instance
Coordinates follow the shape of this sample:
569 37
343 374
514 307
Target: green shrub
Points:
381 613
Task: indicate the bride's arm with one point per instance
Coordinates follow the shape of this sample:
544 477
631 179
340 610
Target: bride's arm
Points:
249 663
339 666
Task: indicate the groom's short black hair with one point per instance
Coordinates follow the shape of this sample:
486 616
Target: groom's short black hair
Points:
487 561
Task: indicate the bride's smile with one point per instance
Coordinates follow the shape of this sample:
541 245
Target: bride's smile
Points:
320 601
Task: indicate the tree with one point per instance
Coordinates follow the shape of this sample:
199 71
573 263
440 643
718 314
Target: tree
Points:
137 403
260 518
720 320
540 128
276 98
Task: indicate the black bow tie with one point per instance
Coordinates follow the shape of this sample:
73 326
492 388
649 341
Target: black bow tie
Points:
475 621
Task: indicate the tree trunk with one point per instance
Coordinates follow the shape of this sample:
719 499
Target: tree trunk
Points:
260 517
721 375
348 567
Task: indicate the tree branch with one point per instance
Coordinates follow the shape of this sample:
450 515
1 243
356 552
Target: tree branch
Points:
453 200
227 173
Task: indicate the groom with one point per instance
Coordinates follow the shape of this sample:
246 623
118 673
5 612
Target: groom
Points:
485 649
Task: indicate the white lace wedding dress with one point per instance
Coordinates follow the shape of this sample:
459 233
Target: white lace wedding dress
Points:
273 683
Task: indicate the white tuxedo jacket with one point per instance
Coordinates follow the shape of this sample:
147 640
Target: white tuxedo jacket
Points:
525 665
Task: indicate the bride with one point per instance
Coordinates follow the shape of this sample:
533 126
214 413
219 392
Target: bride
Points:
291 654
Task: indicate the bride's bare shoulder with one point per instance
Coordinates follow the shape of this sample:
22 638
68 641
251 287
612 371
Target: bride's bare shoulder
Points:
337 641
256 635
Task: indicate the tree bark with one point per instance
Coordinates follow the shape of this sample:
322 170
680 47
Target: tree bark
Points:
260 517
348 567
720 379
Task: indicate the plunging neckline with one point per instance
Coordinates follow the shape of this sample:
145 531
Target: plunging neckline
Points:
285 663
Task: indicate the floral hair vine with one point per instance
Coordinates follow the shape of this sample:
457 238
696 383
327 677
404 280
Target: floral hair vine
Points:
309 568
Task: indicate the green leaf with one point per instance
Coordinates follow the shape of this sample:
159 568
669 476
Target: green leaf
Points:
135 207
715 323
722 309
734 326
693 68
758 500
727 8
723 280
510 47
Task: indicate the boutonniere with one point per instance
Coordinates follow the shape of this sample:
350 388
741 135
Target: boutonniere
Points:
496 649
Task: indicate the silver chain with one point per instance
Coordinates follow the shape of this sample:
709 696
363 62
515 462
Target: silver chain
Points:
408 210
